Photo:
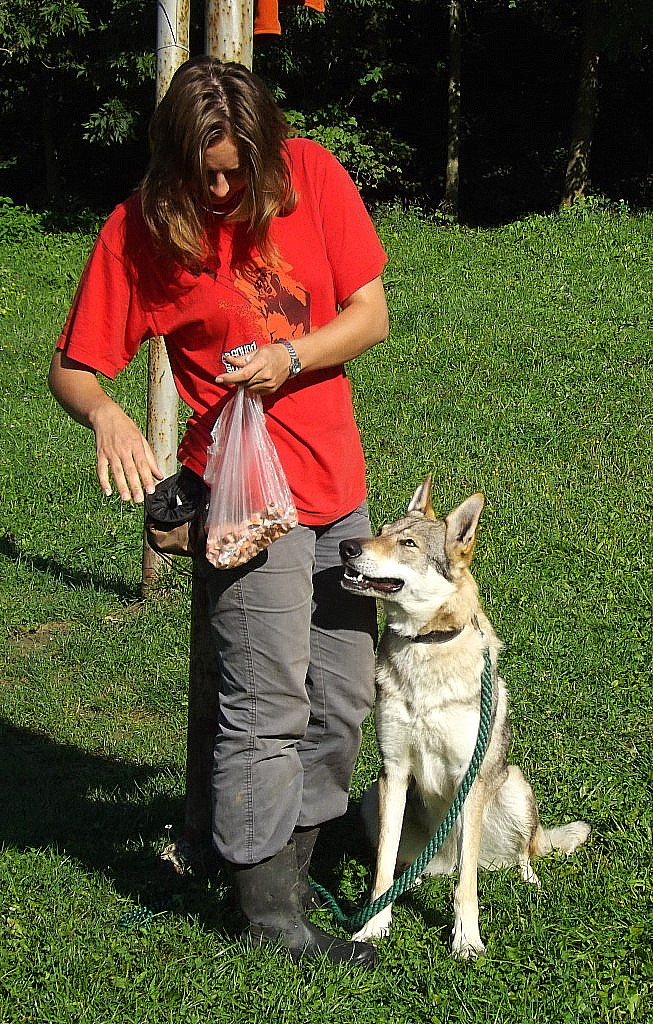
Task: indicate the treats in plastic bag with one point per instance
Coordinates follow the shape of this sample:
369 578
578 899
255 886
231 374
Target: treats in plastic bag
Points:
250 504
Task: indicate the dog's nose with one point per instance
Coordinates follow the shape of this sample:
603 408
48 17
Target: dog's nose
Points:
350 549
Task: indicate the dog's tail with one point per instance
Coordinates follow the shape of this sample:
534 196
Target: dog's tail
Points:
564 838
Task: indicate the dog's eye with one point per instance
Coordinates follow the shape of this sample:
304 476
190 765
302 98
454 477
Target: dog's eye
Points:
408 542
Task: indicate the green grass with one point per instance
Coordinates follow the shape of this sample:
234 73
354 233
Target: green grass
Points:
519 364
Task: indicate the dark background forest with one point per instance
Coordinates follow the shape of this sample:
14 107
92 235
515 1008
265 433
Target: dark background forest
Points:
369 79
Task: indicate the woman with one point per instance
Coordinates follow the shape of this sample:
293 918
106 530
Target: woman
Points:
253 256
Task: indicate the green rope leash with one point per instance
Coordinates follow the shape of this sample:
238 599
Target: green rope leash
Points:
408 877
143 915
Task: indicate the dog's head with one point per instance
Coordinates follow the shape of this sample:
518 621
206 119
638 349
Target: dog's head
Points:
418 562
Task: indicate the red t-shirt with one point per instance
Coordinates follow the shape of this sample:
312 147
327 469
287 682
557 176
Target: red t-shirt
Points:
328 249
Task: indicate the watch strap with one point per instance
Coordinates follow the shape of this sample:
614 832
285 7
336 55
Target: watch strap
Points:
295 364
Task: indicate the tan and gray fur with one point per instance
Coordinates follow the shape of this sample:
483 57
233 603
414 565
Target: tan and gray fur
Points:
429 666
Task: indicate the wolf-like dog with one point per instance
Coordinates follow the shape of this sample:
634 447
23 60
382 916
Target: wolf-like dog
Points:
429 667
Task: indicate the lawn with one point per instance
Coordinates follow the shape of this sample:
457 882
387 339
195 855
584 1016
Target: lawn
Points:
519 364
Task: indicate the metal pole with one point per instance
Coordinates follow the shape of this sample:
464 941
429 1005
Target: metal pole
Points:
173 17
229 36
172 34
229 30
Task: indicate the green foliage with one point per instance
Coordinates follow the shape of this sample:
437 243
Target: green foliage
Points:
77 77
519 363
369 78
371 155
353 109
111 123
17 224
44 31
20 225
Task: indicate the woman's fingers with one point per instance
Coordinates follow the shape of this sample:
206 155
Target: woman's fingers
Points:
263 372
124 454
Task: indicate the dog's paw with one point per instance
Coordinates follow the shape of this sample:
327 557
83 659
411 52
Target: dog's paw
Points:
468 951
527 873
377 927
466 945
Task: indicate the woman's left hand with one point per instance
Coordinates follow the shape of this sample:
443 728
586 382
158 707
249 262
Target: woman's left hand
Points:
361 322
262 372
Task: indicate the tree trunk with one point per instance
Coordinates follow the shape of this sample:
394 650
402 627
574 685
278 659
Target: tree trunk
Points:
49 134
585 113
449 204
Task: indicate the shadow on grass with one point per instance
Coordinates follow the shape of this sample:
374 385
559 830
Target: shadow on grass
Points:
96 810
82 804
70 577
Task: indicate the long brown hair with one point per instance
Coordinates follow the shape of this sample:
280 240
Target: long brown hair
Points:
208 101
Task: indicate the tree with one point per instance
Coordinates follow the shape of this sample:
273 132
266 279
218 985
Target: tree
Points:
369 80
340 78
586 108
608 26
74 78
449 205
42 38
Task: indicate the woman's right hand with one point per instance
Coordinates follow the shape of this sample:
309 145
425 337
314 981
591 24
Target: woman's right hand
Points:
122 451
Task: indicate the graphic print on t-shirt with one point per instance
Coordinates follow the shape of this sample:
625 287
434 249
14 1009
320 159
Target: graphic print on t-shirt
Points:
234 353
283 305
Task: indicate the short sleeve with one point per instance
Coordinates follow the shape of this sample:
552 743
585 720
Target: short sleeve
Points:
106 323
354 251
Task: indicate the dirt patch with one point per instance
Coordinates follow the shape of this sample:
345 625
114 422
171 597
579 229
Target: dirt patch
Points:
37 637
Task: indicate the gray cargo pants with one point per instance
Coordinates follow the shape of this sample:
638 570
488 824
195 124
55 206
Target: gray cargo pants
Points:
296 680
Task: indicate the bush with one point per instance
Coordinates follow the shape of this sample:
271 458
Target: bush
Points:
373 157
17 223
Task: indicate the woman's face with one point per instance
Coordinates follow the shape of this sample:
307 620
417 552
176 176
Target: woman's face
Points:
223 172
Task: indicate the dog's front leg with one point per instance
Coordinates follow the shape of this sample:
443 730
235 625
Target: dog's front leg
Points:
466 938
391 792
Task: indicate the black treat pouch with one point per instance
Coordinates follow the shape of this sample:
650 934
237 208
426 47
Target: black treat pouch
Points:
175 514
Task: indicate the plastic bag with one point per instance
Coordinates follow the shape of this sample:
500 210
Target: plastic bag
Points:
250 504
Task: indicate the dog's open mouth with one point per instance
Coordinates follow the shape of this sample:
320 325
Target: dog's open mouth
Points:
353 580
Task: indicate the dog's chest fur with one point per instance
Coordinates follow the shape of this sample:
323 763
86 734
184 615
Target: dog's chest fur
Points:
427 713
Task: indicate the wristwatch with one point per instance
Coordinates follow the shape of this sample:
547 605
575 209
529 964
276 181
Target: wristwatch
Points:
295 365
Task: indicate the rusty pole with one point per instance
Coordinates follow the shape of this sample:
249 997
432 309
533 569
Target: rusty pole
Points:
229 30
229 27
173 17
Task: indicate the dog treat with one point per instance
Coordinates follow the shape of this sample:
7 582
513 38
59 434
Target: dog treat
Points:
227 548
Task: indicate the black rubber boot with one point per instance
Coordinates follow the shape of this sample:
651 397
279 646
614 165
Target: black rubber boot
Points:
305 839
269 897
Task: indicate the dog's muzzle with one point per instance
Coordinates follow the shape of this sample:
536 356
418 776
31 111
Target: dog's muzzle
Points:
358 582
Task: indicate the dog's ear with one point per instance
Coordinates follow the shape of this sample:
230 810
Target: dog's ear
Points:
421 499
461 527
